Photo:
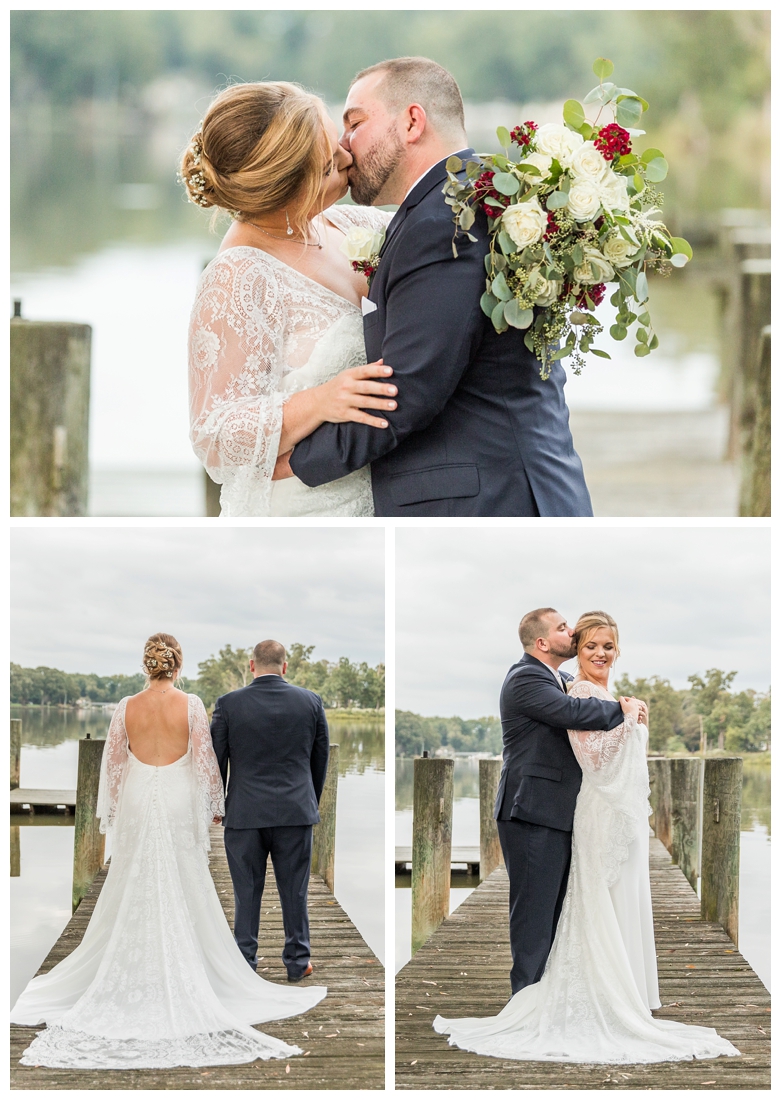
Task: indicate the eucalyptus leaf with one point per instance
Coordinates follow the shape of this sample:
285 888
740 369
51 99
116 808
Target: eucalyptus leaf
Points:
506 243
653 342
574 115
488 303
529 340
517 317
602 68
678 260
466 219
506 183
497 318
681 246
500 288
454 164
618 332
628 93
641 350
644 318
651 154
641 336
641 287
595 95
494 202
600 353
577 255
578 318
504 136
557 200
656 170
629 110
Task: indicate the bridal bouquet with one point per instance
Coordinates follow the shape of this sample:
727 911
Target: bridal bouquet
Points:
575 209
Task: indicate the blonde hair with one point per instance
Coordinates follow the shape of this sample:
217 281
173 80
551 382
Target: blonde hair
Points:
588 624
162 657
260 148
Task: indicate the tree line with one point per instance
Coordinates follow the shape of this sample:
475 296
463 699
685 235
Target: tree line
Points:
341 683
735 721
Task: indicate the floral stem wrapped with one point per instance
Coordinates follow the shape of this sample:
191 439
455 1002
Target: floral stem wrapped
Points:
572 212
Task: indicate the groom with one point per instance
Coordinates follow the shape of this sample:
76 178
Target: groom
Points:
275 738
476 431
539 784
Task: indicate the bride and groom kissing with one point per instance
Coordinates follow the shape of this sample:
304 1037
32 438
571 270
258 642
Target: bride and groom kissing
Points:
315 394
158 980
572 816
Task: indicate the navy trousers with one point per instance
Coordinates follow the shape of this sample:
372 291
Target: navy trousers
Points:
537 860
290 848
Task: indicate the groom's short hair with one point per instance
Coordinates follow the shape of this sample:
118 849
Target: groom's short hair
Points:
420 80
269 654
534 626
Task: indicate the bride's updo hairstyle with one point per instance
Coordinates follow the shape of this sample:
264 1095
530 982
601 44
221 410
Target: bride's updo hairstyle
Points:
162 657
588 624
260 148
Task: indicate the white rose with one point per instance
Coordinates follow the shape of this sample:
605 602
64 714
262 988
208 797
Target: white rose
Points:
538 160
525 222
205 348
361 243
588 163
584 200
613 192
558 141
547 291
619 251
583 272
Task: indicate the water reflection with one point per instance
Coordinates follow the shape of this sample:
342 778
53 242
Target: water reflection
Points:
42 851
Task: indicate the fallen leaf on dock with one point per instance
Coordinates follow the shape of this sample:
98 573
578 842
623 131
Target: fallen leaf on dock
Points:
287 1069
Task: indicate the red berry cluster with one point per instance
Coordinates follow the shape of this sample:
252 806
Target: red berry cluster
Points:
553 226
484 189
596 293
523 135
613 141
365 267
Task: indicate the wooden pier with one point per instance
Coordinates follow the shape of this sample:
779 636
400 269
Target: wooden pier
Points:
342 1037
25 800
463 970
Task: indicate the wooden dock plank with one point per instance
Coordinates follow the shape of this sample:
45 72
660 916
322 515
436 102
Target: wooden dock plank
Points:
343 1036
464 968
21 796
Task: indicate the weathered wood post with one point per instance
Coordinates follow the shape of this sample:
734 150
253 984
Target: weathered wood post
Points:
755 462
721 803
659 778
755 483
685 815
432 835
16 751
211 491
490 848
50 389
16 852
324 834
88 841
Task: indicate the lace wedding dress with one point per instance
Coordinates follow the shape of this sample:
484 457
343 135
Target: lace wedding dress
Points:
157 981
261 331
593 1001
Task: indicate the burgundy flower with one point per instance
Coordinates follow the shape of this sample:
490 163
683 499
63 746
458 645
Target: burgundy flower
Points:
613 141
523 135
484 189
596 293
553 226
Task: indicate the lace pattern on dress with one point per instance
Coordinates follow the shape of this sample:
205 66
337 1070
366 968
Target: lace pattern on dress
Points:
207 772
112 768
254 321
614 768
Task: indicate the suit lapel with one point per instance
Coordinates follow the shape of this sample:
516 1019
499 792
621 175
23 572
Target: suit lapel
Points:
435 175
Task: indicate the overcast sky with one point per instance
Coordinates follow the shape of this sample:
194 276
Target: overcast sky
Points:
86 600
685 600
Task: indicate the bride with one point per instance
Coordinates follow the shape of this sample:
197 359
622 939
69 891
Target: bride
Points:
157 981
594 1000
276 335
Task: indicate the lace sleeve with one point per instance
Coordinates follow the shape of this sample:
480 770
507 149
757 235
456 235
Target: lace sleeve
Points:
210 791
235 367
112 769
595 749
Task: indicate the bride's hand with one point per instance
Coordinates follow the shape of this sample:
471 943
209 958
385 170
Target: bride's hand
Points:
346 396
216 821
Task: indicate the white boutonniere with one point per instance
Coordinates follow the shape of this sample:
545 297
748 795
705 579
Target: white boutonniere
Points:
362 247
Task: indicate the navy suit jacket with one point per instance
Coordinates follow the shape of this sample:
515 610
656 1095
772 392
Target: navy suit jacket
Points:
274 735
540 777
476 432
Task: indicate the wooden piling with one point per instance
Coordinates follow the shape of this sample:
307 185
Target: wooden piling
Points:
50 393
659 778
755 475
751 405
685 775
16 751
324 834
721 803
490 848
16 852
88 841
432 835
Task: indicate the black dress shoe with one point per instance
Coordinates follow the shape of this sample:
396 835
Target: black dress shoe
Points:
298 977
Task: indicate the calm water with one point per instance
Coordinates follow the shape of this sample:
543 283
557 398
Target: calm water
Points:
754 854
41 894
101 234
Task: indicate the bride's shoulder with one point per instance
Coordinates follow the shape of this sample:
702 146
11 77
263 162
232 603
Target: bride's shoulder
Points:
368 216
585 689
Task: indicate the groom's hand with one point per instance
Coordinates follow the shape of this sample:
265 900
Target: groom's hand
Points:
630 706
282 468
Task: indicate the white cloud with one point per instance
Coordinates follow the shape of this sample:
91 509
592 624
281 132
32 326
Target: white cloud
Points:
85 600
685 600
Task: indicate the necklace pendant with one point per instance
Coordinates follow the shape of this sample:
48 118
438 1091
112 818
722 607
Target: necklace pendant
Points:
289 231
